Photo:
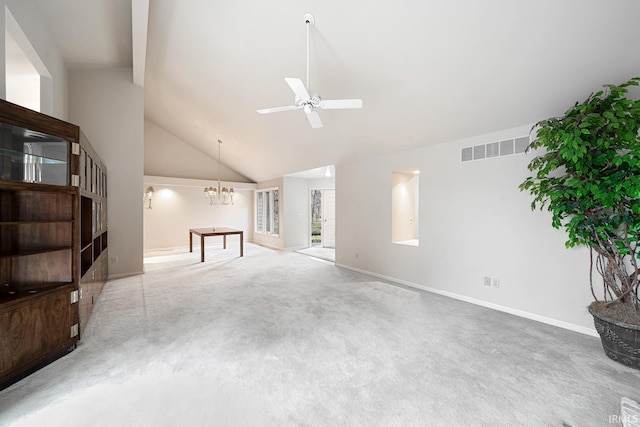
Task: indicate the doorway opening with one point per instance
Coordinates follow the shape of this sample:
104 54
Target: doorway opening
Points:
310 204
323 218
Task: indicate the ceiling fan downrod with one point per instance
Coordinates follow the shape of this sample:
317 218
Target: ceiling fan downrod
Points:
309 20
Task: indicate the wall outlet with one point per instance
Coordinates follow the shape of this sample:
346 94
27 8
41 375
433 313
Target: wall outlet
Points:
114 260
357 255
487 281
495 282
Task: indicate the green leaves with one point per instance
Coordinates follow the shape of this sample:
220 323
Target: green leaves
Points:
588 175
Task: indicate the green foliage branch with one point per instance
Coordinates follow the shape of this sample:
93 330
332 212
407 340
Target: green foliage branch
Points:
588 177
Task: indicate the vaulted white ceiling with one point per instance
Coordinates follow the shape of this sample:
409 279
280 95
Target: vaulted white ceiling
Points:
90 33
428 71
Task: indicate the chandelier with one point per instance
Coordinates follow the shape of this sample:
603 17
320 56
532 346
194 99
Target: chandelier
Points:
218 195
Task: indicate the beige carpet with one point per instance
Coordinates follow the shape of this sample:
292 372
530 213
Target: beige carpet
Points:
279 339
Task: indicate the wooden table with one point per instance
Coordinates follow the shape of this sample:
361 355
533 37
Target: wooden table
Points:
214 231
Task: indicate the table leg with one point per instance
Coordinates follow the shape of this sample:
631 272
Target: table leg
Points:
224 241
241 244
190 242
201 248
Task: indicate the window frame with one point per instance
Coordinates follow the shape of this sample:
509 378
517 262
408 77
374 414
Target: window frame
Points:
267 214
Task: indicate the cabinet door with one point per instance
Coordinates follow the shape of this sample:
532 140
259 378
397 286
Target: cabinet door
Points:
33 329
30 156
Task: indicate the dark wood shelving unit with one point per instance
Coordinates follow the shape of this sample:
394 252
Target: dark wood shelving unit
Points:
42 261
93 228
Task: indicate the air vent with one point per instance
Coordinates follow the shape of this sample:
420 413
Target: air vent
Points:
493 150
521 144
507 147
478 152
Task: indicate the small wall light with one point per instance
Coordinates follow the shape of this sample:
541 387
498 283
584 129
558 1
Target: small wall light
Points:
148 194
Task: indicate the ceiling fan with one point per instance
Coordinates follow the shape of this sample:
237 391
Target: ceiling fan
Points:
308 100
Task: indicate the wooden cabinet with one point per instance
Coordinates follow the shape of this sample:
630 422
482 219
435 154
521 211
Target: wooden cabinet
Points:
41 226
93 229
36 328
38 311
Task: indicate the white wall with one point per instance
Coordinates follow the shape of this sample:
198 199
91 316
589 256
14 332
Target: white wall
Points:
166 155
53 99
109 109
179 204
322 184
22 78
474 222
296 212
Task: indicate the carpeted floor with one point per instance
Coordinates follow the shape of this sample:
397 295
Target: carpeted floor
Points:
280 339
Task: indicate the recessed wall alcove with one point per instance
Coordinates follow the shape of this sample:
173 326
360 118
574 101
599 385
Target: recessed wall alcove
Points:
405 206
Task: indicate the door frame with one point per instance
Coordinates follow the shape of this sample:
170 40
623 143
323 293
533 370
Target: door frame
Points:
322 215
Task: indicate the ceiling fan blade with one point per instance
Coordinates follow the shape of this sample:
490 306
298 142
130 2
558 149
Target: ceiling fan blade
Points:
298 88
303 98
278 109
314 119
330 104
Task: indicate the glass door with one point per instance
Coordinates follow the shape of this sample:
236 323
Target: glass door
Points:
30 156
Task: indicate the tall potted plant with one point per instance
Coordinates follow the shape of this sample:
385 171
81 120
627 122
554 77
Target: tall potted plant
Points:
587 175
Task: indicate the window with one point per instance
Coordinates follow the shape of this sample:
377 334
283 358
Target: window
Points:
267 211
276 221
259 211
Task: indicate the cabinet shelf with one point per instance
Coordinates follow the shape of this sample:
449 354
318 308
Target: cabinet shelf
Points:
22 157
20 254
37 221
8 296
36 187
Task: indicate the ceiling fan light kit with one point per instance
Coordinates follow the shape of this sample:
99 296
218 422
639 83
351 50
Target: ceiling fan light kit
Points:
307 100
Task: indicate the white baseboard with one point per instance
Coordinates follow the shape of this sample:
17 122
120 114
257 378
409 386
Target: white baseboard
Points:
121 275
295 248
549 321
171 248
266 245
196 244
